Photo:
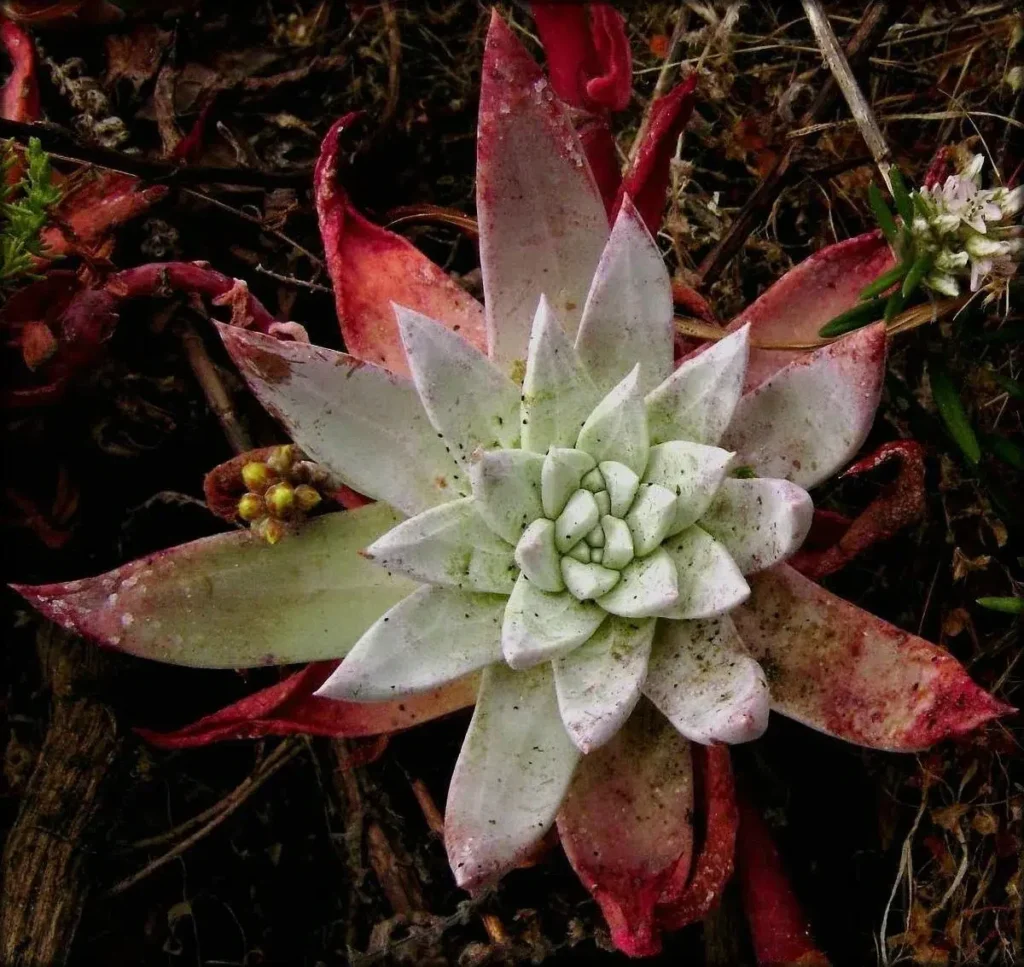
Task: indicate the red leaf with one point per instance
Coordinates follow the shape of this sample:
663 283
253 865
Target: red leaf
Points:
97 204
589 61
371 267
80 321
625 825
646 182
688 903
900 503
19 100
806 297
778 928
161 279
37 344
844 671
290 707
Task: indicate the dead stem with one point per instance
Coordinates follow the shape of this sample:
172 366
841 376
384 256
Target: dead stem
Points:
284 753
213 387
840 68
292 280
908 319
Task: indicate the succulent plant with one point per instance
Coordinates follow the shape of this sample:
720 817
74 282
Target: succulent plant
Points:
562 508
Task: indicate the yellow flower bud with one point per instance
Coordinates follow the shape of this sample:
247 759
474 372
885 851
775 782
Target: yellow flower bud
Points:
280 499
281 460
250 507
257 476
269 530
306 497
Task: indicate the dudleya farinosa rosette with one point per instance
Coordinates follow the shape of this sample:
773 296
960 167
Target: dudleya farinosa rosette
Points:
585 542
568 513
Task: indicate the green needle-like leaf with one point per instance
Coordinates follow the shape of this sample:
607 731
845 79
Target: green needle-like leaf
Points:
921 267
900 195
1007 605
860 315
882 214
952 411
885 281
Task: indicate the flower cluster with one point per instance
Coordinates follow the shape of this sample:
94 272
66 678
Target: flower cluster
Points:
969 230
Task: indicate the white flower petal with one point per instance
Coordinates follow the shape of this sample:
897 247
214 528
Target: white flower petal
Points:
650 518
599 683
579 518
557 391
759 522
561 476
710 583
691 471
585 582
542 221
511 776
539 626
448 545
702 679
367 426
616 430
810 418
538 558
628 315
697 401
432 637
649 586
467 399
506 486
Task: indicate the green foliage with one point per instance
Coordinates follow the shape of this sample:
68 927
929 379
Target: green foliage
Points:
1007 605
25 208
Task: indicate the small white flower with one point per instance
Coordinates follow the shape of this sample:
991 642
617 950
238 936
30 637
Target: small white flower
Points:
968 229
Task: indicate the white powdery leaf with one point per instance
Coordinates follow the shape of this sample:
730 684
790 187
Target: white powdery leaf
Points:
702 679
648 586
506 487
599 683
628 317
365 425
468 400
697 401
693 472
539 626
650 518
557 391
710 583
434 636
616 430
538 558
511 776
448 545
759 522
808 420
560 477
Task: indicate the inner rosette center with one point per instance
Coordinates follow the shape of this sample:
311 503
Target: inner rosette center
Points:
597 518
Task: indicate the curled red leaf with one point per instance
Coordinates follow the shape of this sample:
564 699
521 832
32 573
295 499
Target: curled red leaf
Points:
291 708
371 268
900 503
589 61
161 279
646 182
19 99
686 903
779 929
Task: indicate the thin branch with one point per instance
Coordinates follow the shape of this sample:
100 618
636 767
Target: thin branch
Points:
233 801
62 145
858 104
